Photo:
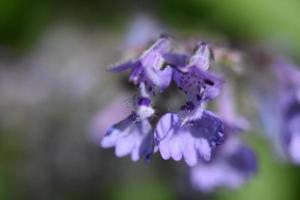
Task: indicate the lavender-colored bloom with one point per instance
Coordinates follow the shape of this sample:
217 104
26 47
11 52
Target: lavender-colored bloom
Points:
292 139
134 134
233 165
193 132
290 116
147 68
289 108
130 136
192 140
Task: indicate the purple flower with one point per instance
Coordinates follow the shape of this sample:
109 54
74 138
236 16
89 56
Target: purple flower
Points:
290 110
130 136
192 140
193 132
147 68
233 165
288 103
134 134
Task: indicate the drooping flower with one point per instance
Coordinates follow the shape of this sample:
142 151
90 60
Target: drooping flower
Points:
134 134
148 68
192 132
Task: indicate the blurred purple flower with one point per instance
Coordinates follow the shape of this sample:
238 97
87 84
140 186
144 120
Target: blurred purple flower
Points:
289 101
233 165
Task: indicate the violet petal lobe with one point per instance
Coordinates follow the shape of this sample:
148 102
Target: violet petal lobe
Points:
127 137
191 141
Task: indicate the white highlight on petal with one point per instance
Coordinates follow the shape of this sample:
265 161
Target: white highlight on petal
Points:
145 112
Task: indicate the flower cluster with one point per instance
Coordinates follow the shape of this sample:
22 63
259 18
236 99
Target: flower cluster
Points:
205 140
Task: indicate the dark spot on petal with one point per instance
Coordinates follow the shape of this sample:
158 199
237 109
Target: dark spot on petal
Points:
199 97
209 82
190 106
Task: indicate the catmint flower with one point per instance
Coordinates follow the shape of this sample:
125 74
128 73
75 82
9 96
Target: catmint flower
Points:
148 68
134 134
233 165
193 132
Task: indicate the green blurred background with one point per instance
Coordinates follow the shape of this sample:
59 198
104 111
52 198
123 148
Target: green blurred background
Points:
52 57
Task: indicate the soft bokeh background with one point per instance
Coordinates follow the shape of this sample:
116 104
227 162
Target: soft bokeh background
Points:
53 82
